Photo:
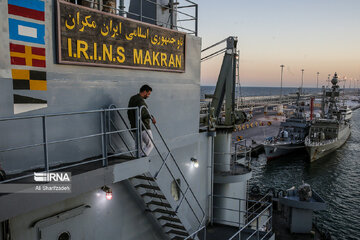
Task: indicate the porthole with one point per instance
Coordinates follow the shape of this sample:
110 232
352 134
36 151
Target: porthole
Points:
64 236
175 189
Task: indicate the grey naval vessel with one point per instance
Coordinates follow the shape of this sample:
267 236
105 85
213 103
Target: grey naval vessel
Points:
72 168
332 130
291 136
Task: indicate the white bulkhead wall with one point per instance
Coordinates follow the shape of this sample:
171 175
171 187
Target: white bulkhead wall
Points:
175 104
119 218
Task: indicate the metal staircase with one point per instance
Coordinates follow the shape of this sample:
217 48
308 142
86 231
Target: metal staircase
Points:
176 226
158 205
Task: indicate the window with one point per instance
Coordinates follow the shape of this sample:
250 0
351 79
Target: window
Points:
104 5
64 236
175 189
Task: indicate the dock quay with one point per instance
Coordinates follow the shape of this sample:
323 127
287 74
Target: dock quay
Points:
267 112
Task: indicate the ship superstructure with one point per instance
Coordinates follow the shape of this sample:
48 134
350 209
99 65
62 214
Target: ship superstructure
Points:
291 136
330 132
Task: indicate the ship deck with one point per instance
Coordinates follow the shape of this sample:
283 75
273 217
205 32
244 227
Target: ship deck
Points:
282 232
220 231
85 178
75 168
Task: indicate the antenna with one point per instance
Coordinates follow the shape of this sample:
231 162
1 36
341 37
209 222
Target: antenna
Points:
328 80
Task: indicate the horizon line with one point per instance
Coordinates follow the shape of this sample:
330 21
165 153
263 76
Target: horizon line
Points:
203 85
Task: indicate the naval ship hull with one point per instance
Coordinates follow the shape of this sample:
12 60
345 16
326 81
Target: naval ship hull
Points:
274 151
86 212
319 151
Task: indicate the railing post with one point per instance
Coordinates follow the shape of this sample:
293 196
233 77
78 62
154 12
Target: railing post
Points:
239 213
141 8
46 153
205 232
108 120
171 11
249 161
196 20
212 180
271 215
137 134
122 7
103 138
257 228
236 144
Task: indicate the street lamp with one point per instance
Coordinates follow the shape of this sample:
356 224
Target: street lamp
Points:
317 80
282 68
302 81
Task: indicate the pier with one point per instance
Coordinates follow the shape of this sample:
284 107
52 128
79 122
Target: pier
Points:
267 112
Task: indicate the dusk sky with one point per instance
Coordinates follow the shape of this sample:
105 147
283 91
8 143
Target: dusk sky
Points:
314 35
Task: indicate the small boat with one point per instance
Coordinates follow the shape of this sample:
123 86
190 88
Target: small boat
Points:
291 135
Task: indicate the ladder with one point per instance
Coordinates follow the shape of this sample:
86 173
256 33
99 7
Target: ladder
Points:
149 190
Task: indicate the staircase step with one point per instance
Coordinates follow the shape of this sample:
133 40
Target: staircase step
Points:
180 238
148 194
159 204
142 177
171 225
181 233
160 210
147 186
170 219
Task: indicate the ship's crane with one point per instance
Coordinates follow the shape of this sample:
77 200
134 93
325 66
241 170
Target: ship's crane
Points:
221 127
225 87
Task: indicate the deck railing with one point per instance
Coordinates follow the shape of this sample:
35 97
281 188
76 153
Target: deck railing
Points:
257 219
183 14
237 166
310 142
171 166
103 132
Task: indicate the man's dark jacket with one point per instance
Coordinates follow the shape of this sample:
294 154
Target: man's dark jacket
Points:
138 101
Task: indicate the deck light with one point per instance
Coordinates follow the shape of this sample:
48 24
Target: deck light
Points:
195 162
108 192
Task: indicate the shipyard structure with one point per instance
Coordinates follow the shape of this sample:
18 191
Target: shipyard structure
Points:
71 165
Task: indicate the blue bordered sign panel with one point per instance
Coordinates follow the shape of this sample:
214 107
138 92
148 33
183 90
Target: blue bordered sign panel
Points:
91 37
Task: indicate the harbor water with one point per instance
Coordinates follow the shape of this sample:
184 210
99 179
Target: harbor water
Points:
335 178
